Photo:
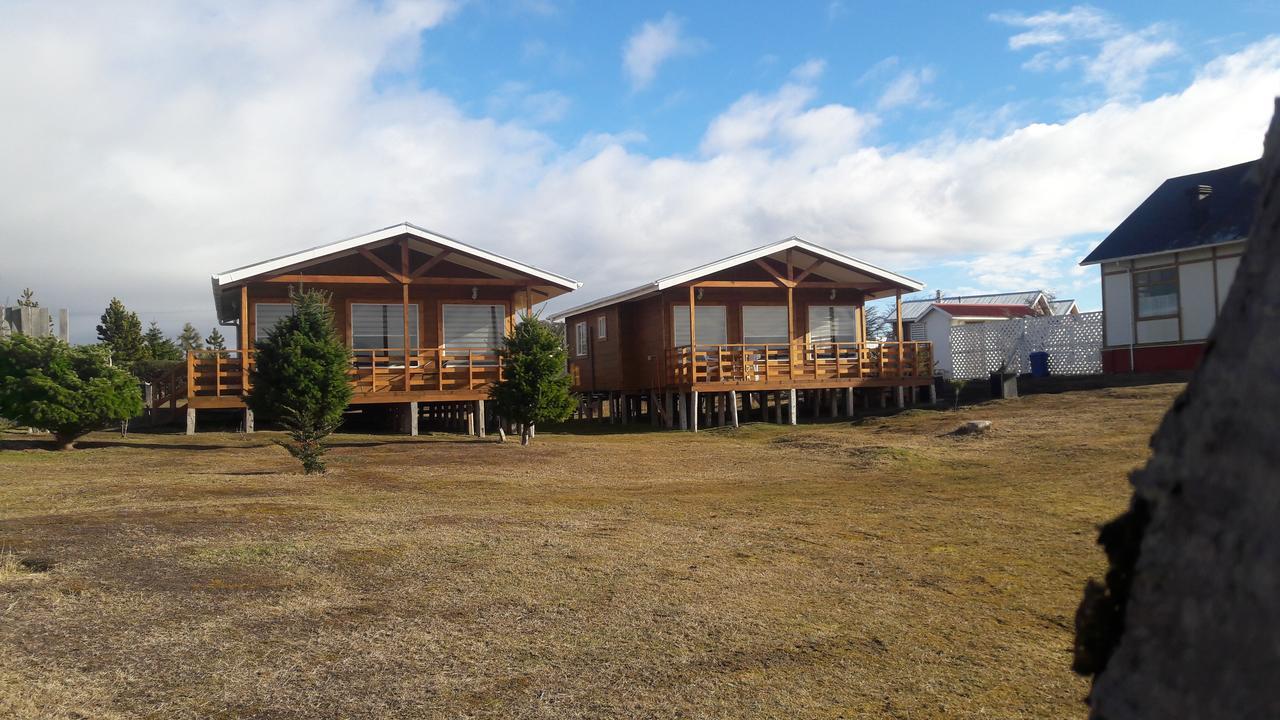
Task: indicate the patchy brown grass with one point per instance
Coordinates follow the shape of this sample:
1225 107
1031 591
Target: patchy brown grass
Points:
877 569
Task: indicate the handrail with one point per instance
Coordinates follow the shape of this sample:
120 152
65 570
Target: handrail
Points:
218 373
815 361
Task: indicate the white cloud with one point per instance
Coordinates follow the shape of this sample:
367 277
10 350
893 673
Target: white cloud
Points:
907 88
162 143
1112 56
653 44
519 100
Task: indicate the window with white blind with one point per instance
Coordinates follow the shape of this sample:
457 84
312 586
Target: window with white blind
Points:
711 329
581 339
474 326
380 326
764 324
265 317
833 323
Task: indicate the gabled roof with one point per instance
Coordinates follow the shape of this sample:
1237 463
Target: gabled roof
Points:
1197 210
982 311
1062 307
913 310
837 266
423 240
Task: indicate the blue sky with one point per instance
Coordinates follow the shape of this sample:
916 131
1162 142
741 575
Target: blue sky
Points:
975 146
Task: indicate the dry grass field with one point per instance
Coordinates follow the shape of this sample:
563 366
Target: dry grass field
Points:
883 568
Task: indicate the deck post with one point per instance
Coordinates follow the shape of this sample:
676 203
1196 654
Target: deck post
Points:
898 397
471 419
777 406
480 418
191 420
815 399
733 407
791 414
933 393
720 403
626 409
653 408
848 402
248 420
693 410
835 401
669 409
684 411
409 418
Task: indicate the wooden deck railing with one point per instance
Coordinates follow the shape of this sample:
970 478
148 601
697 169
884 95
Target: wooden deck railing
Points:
221 373
802 362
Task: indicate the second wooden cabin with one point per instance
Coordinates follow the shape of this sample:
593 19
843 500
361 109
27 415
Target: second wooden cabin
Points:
762 331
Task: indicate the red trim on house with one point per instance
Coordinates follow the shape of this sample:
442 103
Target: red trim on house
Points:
1160 358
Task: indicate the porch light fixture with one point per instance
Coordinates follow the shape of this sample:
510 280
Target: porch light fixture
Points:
833 293
699 293
475 292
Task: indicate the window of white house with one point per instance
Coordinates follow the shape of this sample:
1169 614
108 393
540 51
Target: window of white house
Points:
380 326
580 330
711 329
1157 292
602 328
474 326
833 323
265 317
764 324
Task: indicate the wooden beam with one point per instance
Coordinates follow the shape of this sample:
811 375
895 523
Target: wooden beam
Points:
898 300
404 297
490 282
800 278
430 263
791 333
383 266
791 266
770 269
336 279
244 341
693 343
735 284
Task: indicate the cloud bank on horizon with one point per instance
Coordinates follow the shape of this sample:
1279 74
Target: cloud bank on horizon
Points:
163 142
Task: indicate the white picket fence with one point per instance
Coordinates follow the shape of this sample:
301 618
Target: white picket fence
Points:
1074 344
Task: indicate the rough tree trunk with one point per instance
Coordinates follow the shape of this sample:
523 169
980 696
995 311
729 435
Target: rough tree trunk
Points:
1188 623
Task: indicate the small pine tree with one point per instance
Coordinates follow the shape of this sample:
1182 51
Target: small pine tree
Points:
121 332
535 383
215 341
28 298
47 383
158 347
189 339
300 378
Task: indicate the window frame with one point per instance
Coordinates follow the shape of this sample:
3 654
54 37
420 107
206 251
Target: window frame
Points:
743 321
602 327
857 330
415 325
504 330
257 326
1138 315
684 310
581 338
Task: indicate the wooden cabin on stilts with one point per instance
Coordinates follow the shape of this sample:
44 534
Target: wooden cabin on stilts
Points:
423 314
750 337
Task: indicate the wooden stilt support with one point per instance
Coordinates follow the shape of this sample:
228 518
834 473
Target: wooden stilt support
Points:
834 399
933 393
848 402
733 407
791 413
777 407
898 397
720 403
191 421
248 420
480 418
653 408
693 410
684 411
669 409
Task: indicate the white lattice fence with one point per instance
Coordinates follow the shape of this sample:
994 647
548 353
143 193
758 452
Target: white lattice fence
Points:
1074 344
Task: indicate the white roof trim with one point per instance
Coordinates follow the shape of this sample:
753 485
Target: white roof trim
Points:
1242 241
315 253
743 257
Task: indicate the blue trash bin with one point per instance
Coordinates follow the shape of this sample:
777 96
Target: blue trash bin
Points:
1039 364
